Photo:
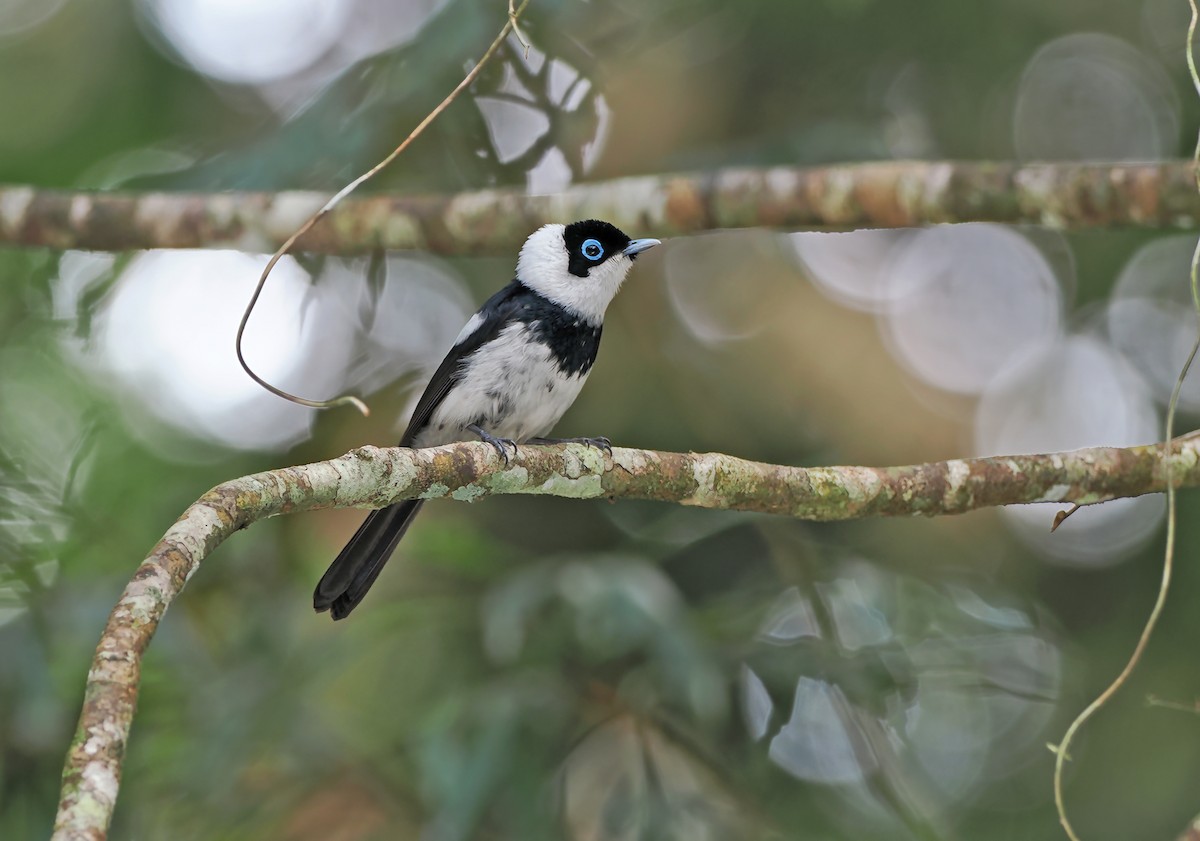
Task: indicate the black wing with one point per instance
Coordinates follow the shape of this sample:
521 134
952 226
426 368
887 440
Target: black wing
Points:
497 312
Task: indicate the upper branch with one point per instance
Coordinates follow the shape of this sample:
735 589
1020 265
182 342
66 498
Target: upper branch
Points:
372 477
882 195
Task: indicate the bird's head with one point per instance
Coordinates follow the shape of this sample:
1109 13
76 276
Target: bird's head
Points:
579 266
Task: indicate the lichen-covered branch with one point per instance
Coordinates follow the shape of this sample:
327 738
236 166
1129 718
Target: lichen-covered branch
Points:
371 477
883 195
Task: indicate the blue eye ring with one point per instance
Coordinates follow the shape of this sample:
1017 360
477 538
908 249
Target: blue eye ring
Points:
592 249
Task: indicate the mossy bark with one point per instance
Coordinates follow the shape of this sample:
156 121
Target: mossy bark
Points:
1159 195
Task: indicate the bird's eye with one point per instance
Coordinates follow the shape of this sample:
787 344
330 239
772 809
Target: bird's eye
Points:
592 249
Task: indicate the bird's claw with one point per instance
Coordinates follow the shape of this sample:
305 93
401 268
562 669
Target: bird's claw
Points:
501 444
600 443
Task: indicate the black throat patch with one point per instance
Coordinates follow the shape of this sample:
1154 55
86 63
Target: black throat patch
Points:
572 340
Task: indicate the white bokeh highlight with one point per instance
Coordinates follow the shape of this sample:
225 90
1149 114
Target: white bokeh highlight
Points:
375 26
167 332
513 127
287 52
851 267
248 43
517 118
821 741
1089 96
409 327
19 16
1078 393
1151 318
964 300
967 683
716 285
165 335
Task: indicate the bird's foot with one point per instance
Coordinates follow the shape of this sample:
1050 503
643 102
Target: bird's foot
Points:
600 443
501 444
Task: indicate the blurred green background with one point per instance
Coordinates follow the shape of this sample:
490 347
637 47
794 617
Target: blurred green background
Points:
546 668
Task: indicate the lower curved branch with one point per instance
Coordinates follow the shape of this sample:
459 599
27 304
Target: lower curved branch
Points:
371 477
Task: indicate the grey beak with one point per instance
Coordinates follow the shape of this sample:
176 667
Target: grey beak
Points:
637 246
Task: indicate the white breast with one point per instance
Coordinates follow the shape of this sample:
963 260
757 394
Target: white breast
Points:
512 388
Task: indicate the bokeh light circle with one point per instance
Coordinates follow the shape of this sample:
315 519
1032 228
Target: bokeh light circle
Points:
1078 393
965 300
1092 96
167 335
18 16
539 104
408 326
957 696
1151 317
851 267
374 26
717 284
250 43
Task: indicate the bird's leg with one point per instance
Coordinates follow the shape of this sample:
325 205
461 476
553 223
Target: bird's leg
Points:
600 443
501 444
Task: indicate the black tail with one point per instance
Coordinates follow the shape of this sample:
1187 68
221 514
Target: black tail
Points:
355 569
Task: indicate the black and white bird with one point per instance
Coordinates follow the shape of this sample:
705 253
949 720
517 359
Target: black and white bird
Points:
516 367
